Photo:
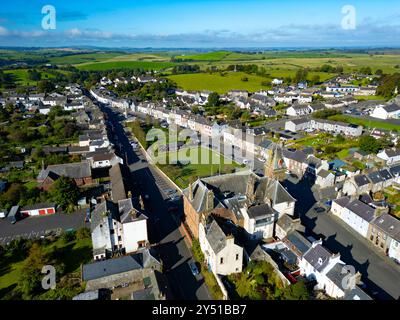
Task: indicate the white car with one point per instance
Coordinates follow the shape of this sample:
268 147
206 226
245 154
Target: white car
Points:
261 160
245 161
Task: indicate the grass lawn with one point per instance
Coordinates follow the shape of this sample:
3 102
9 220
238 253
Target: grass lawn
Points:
365 98
366 122
72 254
146 65
211 164
21 76
343 154
221 84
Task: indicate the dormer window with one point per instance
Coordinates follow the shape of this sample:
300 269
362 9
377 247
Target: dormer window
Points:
320 261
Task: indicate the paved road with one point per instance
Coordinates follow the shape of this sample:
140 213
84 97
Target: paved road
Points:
33 227
162 227
379 273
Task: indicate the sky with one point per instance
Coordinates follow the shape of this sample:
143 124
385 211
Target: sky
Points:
201 23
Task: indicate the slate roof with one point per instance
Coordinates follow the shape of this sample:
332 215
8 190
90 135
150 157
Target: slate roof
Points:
391 108
99 213
375 177
297 155
337 277
362 210
120 177
361 180
297 242
385 174
318 257
78 170
215 236
111 267
395 170
388 224
260 211
392 152
38 206
324 173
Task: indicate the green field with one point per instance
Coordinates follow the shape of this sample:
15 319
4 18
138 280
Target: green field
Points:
366 123
21 76
211 164
146 65
221 84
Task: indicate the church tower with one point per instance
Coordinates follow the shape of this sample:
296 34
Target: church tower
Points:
275 166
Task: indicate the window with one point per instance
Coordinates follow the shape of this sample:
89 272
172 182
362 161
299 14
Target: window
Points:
237 256
119 238
221 261
112 231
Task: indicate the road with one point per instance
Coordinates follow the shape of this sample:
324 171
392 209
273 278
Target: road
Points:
379 273
163 229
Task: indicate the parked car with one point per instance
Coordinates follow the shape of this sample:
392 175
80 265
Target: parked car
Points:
319 209
193 268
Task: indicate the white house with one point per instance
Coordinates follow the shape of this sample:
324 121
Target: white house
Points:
259 221
134 226
355 213
325 178
391 156
104 160
222 254
277 81
298 110
391 111
330 273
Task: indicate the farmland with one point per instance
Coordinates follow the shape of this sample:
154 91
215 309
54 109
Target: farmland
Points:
146 65
21 76
223 82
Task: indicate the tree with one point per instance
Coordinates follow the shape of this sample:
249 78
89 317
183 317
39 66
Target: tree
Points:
213 100
301 75
369 144
64 192
29 282
45 86
83 233
297 291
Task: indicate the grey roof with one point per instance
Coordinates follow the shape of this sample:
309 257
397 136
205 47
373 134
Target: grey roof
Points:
391 108
395 170
88 295
356 294
102 210
361 180
278 194
111 267
260 211
128 213
38 206
375 177
388 224
318 257
297 155
343 201
296 241
72 170
362 210
392 152
385 174
120 175
215 236
324 173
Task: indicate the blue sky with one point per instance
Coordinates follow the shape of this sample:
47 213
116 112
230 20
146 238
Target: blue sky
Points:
200 23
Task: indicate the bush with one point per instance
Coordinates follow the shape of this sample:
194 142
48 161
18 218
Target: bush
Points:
68 236
83 233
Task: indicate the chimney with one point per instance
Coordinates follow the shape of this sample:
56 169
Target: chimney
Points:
210 200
